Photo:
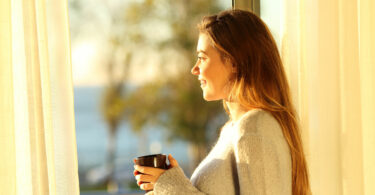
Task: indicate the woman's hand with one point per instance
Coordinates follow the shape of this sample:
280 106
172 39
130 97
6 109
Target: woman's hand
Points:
150 174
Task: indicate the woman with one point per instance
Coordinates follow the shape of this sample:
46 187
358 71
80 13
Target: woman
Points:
259 150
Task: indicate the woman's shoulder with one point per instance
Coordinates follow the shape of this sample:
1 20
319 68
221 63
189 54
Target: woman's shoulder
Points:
258 122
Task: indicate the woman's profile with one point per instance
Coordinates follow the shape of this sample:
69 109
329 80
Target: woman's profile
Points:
259 150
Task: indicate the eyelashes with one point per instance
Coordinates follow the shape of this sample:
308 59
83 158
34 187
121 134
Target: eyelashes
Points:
201 58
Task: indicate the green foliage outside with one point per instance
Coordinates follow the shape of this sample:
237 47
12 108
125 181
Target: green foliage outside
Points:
175 102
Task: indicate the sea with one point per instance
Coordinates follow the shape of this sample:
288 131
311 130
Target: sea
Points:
92 140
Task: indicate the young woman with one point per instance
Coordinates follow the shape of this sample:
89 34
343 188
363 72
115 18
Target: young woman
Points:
259 150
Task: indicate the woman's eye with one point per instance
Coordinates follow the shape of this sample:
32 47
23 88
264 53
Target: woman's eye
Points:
200 58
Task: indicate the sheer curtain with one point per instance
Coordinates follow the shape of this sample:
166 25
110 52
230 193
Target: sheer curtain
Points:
328 48
38 154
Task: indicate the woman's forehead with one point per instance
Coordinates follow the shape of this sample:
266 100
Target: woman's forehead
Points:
204 44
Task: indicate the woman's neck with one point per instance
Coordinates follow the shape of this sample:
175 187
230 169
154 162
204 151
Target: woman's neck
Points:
235 110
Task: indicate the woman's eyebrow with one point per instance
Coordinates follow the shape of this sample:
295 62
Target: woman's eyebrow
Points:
201 51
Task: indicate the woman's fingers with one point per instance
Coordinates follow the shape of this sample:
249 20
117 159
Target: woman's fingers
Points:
173 162
147 186
145 178
135 172
147 174
149 170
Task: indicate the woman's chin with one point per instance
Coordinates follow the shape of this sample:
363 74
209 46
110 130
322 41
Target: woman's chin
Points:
209 98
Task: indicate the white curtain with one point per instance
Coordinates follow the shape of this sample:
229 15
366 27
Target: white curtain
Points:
328 48
37 137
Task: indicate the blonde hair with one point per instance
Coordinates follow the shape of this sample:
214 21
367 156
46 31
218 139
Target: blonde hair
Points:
259 80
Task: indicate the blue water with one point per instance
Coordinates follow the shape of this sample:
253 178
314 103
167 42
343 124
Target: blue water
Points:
92 138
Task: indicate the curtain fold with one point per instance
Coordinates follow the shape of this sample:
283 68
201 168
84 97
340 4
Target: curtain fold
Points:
37 115
7 135
328 49
366 31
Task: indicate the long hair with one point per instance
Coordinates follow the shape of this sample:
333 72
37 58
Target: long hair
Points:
259 80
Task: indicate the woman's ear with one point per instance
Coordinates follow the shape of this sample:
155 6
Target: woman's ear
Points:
234 70
228 62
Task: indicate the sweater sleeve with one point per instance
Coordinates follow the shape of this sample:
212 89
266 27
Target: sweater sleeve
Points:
261 168
174 182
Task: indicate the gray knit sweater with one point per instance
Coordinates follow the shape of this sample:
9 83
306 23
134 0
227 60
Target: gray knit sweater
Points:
251 156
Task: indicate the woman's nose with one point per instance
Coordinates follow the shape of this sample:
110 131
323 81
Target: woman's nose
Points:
195 70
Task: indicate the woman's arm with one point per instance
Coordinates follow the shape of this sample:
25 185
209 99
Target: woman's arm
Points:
174 182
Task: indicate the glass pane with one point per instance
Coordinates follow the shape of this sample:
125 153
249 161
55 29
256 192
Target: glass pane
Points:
127 58
270 12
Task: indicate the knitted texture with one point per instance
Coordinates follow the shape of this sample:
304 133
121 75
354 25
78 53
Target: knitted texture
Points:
251 156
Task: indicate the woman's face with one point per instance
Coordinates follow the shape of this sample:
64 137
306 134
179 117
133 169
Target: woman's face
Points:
212 72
